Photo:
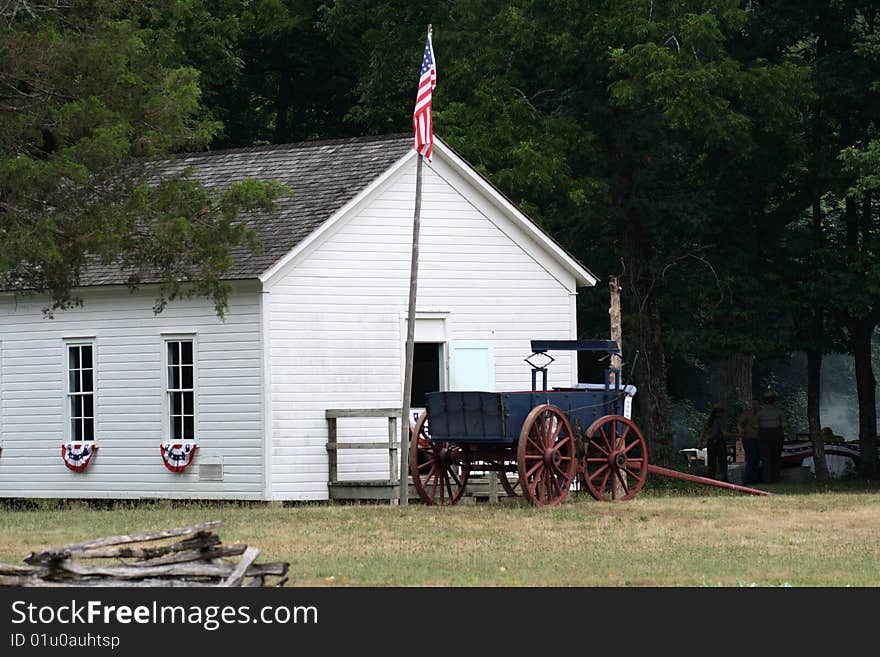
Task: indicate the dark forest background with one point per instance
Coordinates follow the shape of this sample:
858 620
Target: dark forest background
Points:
720 158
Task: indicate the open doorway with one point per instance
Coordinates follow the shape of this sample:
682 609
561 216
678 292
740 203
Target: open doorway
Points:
427 371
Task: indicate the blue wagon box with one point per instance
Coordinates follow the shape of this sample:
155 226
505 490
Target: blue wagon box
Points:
498 417
541 442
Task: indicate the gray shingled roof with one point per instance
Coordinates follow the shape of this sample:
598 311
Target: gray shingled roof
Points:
322 176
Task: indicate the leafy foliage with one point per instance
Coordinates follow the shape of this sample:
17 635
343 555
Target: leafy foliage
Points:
89 96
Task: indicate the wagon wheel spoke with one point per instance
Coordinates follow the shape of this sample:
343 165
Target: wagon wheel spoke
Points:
436 476
512 489
542 433
605 480
448 483
534 469
553 484
634 475
607 442
593 443
430 463
562 443
545 486
598 472
559 471
634 443
622 481
532 485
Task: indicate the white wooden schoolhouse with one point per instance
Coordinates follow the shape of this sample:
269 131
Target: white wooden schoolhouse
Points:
317 321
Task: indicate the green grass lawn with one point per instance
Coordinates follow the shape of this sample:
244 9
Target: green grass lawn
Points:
672 534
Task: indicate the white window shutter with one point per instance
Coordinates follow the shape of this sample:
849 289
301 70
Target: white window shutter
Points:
471 365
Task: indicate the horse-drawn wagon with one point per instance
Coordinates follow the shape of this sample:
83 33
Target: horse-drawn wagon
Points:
542 443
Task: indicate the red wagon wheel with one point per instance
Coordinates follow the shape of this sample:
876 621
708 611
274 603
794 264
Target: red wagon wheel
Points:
439 470
512 488
615 459
546 456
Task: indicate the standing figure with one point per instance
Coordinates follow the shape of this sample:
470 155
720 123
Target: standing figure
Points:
771 433
748 430
716 443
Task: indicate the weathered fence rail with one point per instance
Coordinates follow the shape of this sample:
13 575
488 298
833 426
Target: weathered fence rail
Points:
196 558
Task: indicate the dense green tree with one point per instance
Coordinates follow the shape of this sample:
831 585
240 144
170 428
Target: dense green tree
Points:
89 96
829 227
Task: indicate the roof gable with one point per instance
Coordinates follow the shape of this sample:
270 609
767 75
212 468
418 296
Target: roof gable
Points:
322 175
327 180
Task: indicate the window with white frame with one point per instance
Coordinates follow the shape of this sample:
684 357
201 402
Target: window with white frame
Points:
181 390
81 391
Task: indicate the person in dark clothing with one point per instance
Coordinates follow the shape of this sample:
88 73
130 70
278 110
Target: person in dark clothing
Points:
771 433
714 439
748 431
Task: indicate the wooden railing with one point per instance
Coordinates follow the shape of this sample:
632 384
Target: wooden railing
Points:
376 489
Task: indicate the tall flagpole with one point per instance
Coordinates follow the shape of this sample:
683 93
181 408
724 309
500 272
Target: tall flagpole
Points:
410 340
411 329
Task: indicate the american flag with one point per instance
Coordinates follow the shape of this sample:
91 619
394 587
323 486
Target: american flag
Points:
422 123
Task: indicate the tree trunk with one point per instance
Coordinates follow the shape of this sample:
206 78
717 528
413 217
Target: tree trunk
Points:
814 387
731 379
650 375
641 300
814 356
861 332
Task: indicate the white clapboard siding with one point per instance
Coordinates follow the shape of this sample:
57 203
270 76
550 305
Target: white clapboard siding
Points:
336 317
131 422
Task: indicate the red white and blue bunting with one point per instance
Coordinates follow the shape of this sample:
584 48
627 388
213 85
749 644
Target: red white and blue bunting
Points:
177 456
77 456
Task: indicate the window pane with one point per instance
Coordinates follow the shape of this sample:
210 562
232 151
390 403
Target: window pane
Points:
174 377
187 403
173 353
75 432
86 356
187 349
187 378
189 428
176 403
88 406
73 357
73 381
88 429
76 410
177 430
88 383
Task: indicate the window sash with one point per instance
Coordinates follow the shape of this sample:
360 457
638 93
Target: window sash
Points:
81 392
180 389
